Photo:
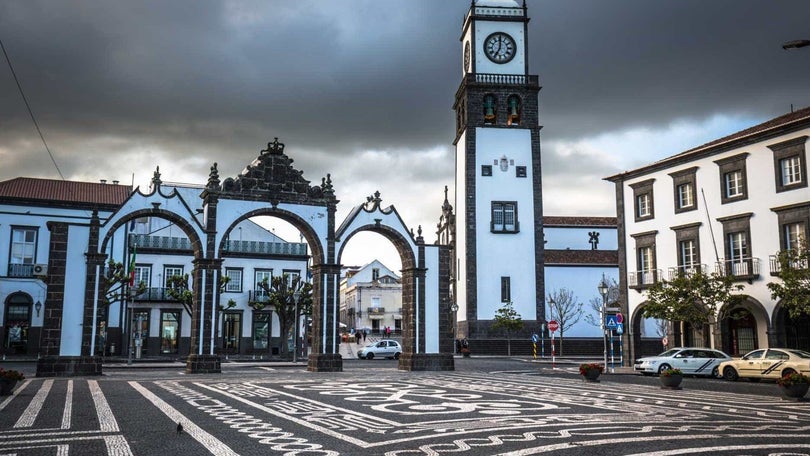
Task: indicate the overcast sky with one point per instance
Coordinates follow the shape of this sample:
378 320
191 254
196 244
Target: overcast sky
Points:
363 89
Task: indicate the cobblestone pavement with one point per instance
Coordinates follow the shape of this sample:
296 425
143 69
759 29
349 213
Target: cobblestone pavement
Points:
260 410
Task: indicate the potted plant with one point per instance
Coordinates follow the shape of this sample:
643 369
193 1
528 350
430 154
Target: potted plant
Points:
793 385
671 378
8 380
591 371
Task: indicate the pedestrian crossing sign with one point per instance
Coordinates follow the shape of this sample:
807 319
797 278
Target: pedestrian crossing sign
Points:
610 322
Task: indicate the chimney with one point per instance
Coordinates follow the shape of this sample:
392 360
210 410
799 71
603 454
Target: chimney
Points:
103 181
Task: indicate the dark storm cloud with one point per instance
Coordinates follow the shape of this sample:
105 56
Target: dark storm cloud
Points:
122 86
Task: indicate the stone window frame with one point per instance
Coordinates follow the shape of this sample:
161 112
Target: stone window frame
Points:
794 213
486 170
684 233
684 177
520 171
728 165
792 148
506 289
740 223
642 241
232 287
643 188
166 276
492 218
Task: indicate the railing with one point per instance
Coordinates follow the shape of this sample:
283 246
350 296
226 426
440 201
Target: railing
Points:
21 270
153 294
258 296
267 248
687 271
376 310
144 241
643 279
776 265
746 268
503 79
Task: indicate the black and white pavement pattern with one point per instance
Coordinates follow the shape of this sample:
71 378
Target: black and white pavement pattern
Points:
382 411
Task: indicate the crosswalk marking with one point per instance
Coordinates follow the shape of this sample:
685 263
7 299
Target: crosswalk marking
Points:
13 395
34 407
106 420
68 406
208 441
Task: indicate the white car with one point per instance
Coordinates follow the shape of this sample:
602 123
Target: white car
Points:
381 349
690 360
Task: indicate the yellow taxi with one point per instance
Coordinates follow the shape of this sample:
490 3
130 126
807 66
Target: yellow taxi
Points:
769 363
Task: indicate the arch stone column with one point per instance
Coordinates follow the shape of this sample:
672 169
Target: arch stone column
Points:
201 359
325 356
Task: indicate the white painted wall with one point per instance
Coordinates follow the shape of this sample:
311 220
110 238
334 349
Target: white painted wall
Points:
576 238
75 278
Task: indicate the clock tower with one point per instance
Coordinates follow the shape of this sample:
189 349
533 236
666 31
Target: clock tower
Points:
498 243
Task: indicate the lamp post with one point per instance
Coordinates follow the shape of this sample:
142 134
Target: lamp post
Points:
603 290
454 309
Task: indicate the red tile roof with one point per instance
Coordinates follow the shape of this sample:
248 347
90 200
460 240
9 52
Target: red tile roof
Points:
59 192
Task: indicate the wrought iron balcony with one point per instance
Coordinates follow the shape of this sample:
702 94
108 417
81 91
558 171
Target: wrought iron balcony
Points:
376 310
266 248
776 265
144 241
745 268
643 279
689 270
21 270
155 294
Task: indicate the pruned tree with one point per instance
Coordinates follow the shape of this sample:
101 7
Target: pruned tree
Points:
508 319
116 283
179 290
693 298
793 290
281 293
566 309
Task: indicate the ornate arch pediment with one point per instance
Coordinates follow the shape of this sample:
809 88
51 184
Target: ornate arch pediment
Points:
272 177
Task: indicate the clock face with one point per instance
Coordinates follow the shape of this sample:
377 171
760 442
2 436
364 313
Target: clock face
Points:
467 57
500 47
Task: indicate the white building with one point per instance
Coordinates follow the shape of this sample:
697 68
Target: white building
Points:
729 206
371 298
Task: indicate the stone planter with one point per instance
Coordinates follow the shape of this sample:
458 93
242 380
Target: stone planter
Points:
592 375
671 381
794 392
7 386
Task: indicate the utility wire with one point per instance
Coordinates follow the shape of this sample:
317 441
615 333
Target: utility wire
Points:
28 106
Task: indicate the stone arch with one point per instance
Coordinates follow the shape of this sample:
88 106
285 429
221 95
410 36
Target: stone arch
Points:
742 327
197 245
647 346
789 332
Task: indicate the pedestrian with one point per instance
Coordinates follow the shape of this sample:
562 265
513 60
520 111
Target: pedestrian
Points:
365 332
358 338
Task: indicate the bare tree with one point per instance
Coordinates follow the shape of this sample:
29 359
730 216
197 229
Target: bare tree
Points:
595 303
566 309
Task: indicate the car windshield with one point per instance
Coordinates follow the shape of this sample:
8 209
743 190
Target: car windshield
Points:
669 353
800 354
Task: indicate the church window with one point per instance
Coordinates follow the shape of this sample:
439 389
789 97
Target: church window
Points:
486 170
504 217
520 171
490 111
513 116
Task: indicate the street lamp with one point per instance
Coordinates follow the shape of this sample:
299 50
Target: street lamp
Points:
603 290
796 44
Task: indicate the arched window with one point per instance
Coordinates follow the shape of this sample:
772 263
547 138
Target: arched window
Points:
17 322
513 110
490 109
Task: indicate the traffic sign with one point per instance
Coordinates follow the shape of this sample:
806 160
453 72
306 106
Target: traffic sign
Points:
665 341
553 326
619 329
619 318
613 309
535 338
610 322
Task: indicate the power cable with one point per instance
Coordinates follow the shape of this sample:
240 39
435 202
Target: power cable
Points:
28 106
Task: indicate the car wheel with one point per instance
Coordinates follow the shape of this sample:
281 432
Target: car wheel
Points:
396 356
716 372
730 374
788 372
663 368
369 355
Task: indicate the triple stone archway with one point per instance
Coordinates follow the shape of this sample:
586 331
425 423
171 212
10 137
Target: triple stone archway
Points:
269 186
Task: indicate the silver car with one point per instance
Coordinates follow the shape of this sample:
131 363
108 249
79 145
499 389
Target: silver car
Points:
690 360
382 349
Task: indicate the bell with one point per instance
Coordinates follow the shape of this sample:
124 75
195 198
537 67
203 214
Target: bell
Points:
514 116
489 109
